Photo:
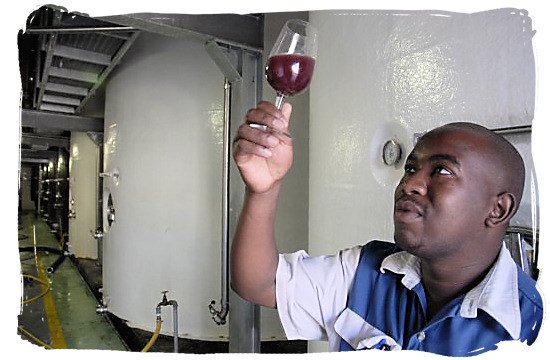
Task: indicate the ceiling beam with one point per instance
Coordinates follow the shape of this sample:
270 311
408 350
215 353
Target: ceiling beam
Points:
44 141
34 161
65 29
39 154
243 31
47 120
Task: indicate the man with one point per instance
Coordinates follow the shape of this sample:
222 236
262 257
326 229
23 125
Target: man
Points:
447 285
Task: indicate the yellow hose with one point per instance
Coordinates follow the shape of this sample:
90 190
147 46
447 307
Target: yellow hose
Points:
28 301
154 337
33 338
46 288
44 292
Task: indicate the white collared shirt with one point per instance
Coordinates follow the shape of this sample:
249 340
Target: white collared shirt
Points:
312 292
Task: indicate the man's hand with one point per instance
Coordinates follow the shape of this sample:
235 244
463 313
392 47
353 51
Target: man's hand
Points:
263 156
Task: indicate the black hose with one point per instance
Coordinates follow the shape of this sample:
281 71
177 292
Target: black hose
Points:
41 248
56 264
51 269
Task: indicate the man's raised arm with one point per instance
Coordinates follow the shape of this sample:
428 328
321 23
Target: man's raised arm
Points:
263 157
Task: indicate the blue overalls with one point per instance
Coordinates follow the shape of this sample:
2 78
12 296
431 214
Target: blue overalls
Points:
384 314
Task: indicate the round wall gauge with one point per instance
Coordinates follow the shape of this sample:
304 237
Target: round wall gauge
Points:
391 153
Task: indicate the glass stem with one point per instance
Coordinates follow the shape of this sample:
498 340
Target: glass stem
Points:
279 101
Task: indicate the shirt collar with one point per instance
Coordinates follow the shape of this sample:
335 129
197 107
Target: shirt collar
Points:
497 294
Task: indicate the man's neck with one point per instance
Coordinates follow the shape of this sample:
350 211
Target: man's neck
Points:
442 283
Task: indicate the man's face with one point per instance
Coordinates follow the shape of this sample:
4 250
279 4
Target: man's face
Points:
443 198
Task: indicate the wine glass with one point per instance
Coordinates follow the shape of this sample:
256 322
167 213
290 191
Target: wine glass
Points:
290 63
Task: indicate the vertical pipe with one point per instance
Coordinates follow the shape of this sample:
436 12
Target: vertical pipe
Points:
225 200
534 224
219 316
99 200
519 242
241 71
231 76
39 192
175 321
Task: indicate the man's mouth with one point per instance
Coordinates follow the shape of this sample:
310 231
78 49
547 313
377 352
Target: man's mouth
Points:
407 210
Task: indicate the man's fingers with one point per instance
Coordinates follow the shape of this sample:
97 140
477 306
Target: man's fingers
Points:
258 135
245 148
267 114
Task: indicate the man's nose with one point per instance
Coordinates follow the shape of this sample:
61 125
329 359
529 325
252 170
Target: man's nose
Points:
415 184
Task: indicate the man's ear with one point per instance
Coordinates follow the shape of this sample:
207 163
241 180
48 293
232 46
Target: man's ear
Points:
503 208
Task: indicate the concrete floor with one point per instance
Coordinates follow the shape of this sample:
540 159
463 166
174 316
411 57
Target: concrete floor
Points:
64 315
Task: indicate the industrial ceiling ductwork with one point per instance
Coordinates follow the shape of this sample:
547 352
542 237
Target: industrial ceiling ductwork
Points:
66 57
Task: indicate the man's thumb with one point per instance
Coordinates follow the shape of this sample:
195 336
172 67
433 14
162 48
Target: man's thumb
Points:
287 110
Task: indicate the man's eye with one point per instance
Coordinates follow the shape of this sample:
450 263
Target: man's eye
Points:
409 169
442 170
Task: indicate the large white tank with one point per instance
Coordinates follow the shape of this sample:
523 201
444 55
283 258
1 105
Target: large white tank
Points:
163 173
162 144
83 195
25 187
384 75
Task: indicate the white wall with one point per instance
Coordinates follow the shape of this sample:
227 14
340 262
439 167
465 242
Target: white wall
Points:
390 74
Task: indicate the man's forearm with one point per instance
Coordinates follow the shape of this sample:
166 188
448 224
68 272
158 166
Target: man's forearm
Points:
254 255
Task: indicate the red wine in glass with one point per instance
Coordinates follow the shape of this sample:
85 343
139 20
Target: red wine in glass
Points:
292 58
289 74
290 62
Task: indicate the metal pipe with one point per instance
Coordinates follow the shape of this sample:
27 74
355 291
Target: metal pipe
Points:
175 321
530 236
225 220
56 180
74 30
98 201
241 70
219 316
39 191
174 304
519 241
513 129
